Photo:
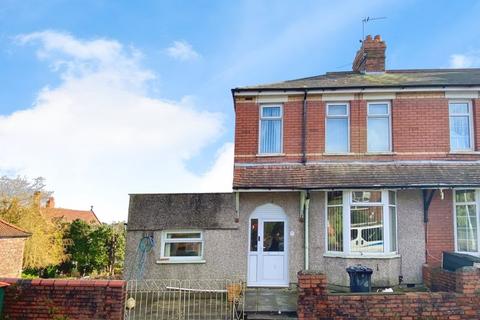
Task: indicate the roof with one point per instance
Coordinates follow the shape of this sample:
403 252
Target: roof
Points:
389 78
181 210
70 215
8 230
359 175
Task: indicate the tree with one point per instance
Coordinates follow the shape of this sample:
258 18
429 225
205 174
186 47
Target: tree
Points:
20 205
96 248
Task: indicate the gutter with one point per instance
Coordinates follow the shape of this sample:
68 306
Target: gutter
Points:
307 231
355 89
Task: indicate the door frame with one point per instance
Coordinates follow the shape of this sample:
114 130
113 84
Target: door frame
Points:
268 212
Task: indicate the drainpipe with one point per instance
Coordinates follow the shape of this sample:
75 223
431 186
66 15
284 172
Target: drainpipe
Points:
304 129
306 215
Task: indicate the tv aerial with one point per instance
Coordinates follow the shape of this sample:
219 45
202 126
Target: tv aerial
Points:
366 20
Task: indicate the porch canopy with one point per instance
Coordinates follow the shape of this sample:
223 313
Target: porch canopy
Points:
356 175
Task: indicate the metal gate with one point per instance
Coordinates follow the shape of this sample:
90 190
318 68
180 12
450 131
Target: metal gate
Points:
185 299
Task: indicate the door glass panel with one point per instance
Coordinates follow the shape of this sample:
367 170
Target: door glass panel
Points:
253 235
273 236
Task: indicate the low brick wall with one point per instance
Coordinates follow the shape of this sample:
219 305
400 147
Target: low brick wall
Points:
64 299
464 280
314 301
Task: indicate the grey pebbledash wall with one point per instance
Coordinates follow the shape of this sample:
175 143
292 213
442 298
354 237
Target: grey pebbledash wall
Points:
226 241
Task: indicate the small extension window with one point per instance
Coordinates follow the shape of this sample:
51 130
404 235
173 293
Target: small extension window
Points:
182 245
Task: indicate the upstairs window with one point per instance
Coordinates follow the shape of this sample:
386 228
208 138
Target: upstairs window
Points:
337 128
378 127
461 132
271 129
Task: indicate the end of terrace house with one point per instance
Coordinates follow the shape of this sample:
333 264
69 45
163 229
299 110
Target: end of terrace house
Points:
372 166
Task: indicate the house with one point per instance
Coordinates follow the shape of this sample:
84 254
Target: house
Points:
69 215
12 244
370 166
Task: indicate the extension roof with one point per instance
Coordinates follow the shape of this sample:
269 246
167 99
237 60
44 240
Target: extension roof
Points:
387 79
359 175
8 230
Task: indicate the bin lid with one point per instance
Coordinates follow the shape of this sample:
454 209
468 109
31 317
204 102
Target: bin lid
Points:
4 284
359 268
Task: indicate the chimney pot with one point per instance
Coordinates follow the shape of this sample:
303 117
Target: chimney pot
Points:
371 56
51 202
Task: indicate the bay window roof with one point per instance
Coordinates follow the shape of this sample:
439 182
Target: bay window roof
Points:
354 175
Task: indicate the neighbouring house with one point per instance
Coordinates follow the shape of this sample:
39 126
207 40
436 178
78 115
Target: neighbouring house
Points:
12 244
371 166
69 215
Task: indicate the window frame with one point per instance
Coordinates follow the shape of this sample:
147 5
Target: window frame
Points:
164 240
390 130
476 202
470 124
347 203
327 116
260 118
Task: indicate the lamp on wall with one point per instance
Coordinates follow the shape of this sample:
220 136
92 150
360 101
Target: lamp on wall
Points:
442 195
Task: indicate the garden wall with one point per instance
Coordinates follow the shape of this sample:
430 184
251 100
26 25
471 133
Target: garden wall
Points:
315 302
64 299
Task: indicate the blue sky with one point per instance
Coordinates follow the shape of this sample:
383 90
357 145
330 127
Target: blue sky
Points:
185 57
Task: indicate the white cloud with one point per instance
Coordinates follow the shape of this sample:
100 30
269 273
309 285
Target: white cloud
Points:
98 135
467 60
182 50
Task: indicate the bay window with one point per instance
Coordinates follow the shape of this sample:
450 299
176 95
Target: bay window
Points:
367 216
466 220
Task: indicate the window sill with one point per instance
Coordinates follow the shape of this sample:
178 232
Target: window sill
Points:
464 152
379 153
339 154
270 155
180 261
362 256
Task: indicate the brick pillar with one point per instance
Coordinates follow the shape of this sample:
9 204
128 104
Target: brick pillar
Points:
468 280
312 295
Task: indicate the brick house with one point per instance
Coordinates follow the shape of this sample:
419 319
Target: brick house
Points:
372 166
69 215
12 244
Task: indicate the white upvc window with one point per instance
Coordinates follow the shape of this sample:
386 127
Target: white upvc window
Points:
271 129
337 128
379 124
461 125
368 217
466 220
184 245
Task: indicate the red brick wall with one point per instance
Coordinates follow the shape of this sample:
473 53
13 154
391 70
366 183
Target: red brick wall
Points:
314 302
420 130
64 299
440 227
11 256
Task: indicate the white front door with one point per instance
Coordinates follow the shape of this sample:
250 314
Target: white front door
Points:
267 256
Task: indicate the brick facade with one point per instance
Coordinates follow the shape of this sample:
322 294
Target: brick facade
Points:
64 299
314 301
440 228
420 130
11 256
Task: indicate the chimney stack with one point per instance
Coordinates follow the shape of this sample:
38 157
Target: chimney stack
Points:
371 56
50 202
